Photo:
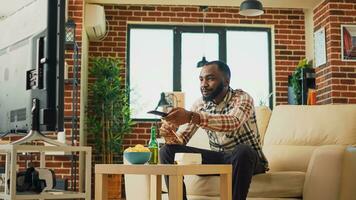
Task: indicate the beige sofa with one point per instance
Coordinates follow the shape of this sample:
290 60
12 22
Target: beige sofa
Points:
309 149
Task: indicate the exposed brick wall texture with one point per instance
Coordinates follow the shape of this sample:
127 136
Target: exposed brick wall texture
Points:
288 30
336 80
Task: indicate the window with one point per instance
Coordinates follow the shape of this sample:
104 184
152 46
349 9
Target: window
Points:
151 71
249 65
194 46
164 58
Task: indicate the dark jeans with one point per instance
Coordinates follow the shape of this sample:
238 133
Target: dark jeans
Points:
245 163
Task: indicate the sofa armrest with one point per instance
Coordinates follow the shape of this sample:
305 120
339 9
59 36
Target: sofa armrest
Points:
263 114
323 176
348 180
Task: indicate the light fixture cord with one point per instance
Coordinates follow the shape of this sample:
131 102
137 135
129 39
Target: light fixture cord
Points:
203 21
204 15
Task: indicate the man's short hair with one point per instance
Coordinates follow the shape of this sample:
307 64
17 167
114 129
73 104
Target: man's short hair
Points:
223 67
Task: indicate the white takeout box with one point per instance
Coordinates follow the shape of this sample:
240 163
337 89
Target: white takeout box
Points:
188 158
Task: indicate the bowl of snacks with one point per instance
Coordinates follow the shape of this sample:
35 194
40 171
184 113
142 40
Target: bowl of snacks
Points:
137 154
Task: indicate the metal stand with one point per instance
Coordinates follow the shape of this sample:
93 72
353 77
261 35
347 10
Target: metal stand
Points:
35 133
72 45
74 117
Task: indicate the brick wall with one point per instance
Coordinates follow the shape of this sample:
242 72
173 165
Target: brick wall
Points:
288 29
336 80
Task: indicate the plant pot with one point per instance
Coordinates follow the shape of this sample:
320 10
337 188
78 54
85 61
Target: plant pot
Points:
114 187
291 95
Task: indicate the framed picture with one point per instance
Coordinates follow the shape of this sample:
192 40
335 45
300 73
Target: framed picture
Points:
348 42
319 47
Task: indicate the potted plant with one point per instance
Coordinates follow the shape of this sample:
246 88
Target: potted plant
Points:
108 112
296 77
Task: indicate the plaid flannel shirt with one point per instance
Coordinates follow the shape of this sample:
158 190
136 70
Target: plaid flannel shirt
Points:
231 122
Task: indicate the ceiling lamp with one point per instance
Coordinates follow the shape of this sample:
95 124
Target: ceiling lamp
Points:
202 62
251 8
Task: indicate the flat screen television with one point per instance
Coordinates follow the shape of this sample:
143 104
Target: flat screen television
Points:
31 66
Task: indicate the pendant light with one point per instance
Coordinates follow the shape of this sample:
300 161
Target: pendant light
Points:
251 8
203 61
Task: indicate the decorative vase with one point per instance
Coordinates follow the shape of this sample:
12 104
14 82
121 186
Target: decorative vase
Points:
114 188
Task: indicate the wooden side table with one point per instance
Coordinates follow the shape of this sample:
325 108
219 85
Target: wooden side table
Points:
175 173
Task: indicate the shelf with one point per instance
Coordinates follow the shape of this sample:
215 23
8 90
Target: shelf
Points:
57 194
11 152
31 148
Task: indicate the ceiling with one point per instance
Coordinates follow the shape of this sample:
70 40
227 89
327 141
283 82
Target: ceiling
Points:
266 3
10 6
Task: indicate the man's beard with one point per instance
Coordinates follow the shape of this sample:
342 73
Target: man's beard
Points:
215 93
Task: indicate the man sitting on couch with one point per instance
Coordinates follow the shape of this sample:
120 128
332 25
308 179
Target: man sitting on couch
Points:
229 119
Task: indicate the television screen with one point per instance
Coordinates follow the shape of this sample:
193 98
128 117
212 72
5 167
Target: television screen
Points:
31 66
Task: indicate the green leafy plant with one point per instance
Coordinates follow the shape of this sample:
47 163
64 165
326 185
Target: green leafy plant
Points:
108 108
296 79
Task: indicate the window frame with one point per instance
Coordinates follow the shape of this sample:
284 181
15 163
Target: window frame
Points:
177 47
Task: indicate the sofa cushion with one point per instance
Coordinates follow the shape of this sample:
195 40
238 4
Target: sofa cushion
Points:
273 184
277 184
199 140
253 198
195 197
312 125
279 157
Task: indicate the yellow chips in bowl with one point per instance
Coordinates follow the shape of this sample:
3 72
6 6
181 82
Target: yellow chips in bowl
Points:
137 148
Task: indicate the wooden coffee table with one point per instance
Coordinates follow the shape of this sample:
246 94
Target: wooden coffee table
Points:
175 173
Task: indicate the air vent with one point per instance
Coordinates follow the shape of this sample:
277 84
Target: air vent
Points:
18 115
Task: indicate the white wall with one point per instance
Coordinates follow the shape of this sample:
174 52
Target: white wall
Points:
24 23
17 55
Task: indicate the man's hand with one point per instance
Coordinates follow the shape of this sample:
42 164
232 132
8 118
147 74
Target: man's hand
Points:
168 130
178 116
